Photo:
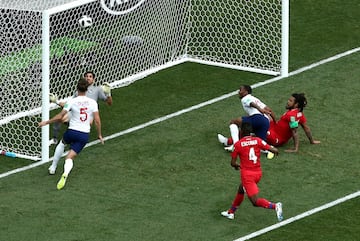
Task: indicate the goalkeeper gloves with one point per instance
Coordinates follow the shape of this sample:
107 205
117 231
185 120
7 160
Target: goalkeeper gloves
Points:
53 98
106 88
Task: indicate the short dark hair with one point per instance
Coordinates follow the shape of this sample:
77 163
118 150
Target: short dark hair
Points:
89 72
82 85
246 129
300 100
248 88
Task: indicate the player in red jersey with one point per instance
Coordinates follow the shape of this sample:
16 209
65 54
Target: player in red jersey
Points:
248 149
285 128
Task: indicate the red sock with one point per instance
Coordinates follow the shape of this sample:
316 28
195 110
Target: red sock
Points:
262 202
237 201
230 141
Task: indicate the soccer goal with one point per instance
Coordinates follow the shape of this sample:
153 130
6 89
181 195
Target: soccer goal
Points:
47 45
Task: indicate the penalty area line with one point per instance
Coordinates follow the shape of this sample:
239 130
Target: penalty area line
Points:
300 216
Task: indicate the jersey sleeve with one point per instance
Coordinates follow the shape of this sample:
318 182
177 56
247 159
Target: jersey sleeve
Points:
302 118
67 105
246 100
236 151
101 93
95 106
263 144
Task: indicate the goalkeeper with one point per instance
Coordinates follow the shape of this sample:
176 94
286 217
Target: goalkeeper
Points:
94 92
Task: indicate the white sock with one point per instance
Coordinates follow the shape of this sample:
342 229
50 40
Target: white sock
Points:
234 132
68 166
58 153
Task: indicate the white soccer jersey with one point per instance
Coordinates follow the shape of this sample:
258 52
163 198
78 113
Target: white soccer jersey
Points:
82 112
246 100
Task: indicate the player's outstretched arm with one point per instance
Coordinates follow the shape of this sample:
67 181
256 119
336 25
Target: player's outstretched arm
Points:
56 118
234 164
274 150
109 100
307 131
98 126
266 110
295 137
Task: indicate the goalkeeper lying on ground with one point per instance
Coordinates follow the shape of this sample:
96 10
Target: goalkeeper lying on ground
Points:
94 92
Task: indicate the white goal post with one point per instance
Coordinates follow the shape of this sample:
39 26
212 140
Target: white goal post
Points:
46 46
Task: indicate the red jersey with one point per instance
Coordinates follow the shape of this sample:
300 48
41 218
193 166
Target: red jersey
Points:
248 149
280 132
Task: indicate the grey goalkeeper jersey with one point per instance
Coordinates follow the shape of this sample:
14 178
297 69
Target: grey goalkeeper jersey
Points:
95 92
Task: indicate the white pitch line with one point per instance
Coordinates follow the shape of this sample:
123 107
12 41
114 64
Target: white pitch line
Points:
39 163
300 216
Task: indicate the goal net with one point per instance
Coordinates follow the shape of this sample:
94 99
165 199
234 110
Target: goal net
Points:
47 45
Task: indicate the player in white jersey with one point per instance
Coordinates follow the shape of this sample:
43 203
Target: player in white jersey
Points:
249 103
94 92
257 115
84 110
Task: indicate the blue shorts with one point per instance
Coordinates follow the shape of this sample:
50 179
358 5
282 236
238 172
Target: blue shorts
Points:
259 123
76 139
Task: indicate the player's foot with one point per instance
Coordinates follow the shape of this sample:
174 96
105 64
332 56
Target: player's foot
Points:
279 212
222 139
61 182
53 141
52 170
229 148
228 215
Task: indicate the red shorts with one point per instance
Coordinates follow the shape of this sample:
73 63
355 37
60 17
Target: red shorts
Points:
250 180
274 138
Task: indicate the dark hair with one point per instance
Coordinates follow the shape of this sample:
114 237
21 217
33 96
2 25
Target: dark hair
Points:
89 72
248 88
246 129
300 100
82 85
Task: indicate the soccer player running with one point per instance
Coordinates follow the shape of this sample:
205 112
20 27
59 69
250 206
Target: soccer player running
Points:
286 127
248 149
84 110
257 115
94 92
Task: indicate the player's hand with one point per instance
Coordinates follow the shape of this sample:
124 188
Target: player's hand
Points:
101 140
291 150
53 98
106 88
266 111
41 124
235 166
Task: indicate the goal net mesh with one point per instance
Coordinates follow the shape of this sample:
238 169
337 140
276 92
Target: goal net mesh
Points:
120 48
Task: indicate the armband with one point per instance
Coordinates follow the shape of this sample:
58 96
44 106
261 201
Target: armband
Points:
293 123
